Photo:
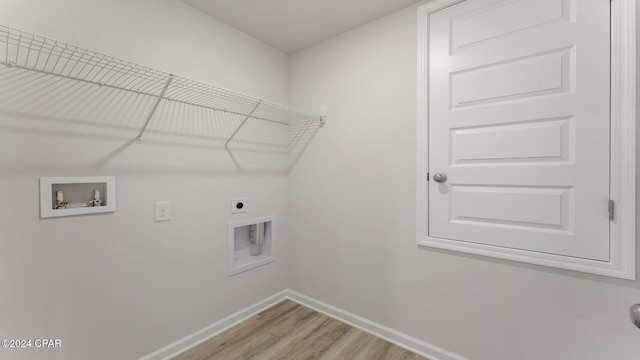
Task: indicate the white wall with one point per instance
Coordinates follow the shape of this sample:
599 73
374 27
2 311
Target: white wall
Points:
352 224
119 286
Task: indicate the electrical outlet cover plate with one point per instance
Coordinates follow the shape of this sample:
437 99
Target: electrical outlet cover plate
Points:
163 211
238 205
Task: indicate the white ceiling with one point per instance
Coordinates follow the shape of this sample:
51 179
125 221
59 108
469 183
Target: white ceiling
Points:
292 25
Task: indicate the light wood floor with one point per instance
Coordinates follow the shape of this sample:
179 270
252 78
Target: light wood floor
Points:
294 332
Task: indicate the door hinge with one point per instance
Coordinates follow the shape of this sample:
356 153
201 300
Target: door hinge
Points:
611 210
427 176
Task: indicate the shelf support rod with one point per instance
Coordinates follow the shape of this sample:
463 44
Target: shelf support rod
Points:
155 107
242 123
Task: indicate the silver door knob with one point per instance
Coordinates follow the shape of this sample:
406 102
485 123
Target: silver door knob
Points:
439 177
635 314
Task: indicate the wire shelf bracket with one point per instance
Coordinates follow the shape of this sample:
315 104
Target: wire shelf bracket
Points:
154 108
242 124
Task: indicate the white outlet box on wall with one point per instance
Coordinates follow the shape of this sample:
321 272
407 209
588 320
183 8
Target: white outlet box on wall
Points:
239 205
163 211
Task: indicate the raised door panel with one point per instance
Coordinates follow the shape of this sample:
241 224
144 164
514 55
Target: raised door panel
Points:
519 90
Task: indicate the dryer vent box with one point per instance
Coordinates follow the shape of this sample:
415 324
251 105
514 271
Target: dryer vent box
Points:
250 244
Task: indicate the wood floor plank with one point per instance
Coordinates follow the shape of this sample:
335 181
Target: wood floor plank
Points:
289 331
346 343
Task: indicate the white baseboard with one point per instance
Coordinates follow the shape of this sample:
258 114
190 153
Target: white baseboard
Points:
417 346
420 347
214 329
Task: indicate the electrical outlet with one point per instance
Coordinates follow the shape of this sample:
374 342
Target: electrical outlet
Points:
163 211
238 205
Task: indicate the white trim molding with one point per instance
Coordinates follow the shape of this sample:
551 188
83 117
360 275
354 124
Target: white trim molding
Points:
405 341
179 346
623 155
412 344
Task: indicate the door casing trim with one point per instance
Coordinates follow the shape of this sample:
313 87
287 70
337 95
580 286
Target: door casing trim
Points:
622 240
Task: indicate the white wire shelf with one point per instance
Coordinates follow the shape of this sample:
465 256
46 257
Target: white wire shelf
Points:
27 51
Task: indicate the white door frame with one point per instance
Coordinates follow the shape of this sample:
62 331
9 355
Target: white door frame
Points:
623 154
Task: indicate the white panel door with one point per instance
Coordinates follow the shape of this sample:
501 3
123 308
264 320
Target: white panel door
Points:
519 123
